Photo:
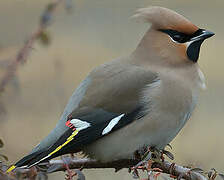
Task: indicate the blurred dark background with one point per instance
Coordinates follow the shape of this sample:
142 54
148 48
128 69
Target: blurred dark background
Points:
95 32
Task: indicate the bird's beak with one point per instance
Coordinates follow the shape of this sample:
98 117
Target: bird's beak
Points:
204 34
194 44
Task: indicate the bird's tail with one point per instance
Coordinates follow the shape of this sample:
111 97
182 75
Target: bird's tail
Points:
26 161
54 150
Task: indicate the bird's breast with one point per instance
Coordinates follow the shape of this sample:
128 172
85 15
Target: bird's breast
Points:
167 110
169 105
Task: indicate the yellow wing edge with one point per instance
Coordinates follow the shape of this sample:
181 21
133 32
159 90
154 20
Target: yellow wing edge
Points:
11 168
70 138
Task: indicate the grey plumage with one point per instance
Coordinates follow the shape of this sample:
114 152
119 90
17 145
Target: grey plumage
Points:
61 127
116 95
133 85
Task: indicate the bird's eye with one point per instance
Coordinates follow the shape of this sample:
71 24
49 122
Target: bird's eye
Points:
177 36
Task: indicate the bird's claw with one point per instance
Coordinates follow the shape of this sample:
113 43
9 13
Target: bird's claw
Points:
149 156
171 170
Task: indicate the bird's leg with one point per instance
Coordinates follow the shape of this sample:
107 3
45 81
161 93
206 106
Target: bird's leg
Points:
70 173
142 165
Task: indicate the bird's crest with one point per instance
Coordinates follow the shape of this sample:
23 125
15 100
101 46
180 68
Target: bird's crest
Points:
163 18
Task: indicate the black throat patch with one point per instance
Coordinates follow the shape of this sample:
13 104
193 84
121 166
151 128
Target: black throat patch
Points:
193 50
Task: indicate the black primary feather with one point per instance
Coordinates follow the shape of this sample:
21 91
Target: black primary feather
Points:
84 137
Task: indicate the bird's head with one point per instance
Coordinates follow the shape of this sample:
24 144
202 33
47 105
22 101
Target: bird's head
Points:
171 34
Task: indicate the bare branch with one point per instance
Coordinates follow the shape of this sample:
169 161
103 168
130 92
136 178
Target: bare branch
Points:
171 169
91 164
179 171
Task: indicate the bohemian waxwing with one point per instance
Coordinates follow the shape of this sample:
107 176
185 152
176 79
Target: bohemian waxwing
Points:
141 100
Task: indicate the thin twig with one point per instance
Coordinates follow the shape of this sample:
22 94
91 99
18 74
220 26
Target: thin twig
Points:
23 53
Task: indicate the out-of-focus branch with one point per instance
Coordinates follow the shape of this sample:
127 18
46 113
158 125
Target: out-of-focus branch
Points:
23 53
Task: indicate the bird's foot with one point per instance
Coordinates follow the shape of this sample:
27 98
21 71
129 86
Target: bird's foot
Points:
157 155
147 156
171 170
142 155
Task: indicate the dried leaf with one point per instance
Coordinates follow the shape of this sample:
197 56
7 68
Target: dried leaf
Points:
168 154
1 143
118 169
42 176
221 175
168 145
4 157
214 176
46 18
44 38
209 174
180 176
135 174
80 174
69 6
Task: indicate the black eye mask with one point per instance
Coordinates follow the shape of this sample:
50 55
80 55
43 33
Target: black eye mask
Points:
195 39
179 36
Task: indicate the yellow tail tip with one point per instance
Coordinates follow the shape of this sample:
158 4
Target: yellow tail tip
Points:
11 168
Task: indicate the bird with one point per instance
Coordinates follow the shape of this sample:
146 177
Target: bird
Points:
142 99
